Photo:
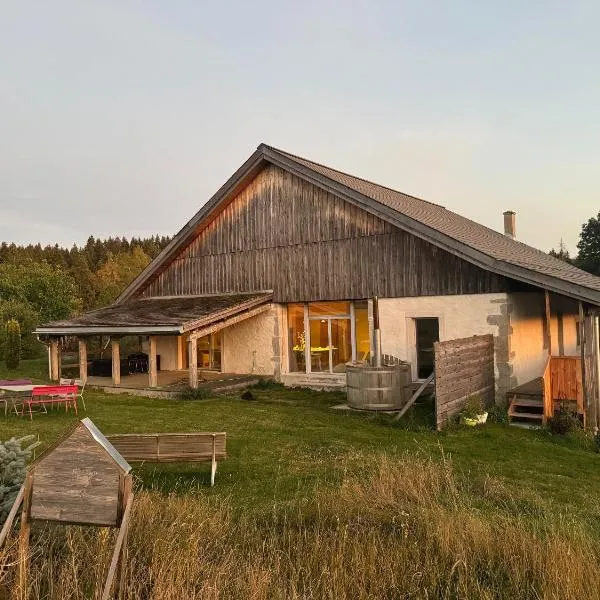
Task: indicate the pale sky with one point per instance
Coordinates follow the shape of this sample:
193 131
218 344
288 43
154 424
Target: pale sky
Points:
123 117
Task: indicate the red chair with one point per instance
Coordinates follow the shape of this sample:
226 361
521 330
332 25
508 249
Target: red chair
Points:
51 394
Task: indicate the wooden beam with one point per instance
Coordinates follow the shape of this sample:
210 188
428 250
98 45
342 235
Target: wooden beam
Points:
581 325
414 397
54 358
11 515
193 362
116 361
24 537
548 321
152 368
180 351
213 328
117 553
83 360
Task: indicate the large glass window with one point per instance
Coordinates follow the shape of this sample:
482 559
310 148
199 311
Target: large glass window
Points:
332 336
328 309
209 351
296 338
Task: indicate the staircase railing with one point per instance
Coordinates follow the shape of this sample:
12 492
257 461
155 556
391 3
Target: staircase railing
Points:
562 380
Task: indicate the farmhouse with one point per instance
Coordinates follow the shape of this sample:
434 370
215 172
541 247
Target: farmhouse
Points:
276 273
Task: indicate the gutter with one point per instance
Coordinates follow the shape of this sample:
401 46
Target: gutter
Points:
126 330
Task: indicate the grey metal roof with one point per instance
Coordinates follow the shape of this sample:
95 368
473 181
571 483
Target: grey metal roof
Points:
165 314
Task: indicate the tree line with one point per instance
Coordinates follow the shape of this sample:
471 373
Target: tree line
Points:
46 283
588 257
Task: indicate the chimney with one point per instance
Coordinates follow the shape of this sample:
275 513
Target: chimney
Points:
509 224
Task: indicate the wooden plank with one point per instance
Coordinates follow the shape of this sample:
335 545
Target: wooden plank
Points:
24 538
117 553
11 515
414 397
548 321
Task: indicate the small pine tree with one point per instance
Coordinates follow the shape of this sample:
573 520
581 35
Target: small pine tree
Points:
13 343
14 456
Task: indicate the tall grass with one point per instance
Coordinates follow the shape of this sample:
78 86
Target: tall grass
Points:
409 528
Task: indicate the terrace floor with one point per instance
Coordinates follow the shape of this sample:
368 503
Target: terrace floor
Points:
169 382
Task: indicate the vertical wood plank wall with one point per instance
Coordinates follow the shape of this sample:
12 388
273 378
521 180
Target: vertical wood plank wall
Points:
285 234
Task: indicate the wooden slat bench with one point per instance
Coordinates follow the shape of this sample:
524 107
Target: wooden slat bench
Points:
172 447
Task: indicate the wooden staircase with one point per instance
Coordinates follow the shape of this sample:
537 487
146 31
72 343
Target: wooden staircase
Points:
526 407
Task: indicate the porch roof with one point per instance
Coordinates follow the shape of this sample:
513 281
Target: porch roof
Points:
159 315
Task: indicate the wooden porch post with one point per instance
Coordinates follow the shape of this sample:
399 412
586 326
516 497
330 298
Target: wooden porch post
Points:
548 321
116 361
83 360
152 370
193 362
54 358
586 400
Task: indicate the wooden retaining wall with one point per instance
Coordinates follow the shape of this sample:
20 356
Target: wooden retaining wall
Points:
463 367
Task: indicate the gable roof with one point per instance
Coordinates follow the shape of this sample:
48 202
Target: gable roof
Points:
98 437
467 239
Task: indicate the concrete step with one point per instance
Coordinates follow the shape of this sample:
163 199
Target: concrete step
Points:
315 381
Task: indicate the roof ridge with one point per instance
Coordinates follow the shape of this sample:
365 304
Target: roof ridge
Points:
350 175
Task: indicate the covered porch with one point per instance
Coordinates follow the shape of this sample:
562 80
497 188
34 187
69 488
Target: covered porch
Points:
178 339
569 381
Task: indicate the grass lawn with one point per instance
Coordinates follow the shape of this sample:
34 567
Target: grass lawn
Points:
321 503
288 443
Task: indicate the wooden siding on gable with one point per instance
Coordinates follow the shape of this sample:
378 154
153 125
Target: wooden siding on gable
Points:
285 234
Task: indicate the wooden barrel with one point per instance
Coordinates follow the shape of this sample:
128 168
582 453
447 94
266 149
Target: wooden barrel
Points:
377 388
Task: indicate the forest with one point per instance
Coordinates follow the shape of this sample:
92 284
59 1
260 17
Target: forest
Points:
44 283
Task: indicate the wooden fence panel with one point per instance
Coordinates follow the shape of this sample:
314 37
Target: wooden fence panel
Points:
463 367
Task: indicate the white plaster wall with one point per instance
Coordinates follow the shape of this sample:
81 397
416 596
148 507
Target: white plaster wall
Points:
166 347
251 346
459 316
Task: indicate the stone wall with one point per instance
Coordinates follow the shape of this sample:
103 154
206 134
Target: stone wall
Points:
463 367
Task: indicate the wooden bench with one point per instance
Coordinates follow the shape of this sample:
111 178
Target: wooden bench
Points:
52 394
172 447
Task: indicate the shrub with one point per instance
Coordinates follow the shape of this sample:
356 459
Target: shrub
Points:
563 422
247 395
13 466
13 344
191 393
266 384
473 407
498 413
